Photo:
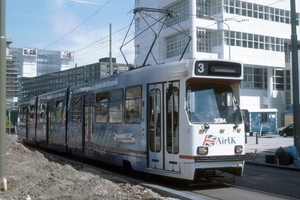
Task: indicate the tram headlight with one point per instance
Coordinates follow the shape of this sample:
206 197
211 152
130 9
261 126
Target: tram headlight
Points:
238 149
202 150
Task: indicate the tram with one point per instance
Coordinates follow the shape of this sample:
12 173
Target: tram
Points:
180 119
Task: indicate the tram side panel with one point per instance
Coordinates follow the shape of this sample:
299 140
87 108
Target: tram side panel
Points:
51 120
57 129
27 120
74 129
42 119
113 133
23 120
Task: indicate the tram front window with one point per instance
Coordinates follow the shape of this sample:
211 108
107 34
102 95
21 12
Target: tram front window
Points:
212 103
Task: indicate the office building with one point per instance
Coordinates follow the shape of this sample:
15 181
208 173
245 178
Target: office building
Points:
66 78
257 33
35 62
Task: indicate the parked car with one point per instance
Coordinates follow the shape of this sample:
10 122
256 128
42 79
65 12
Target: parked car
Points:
288 130
279 129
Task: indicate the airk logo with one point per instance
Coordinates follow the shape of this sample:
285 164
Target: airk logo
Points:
211 140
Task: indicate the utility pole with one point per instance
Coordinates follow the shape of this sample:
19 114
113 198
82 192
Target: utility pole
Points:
110 54
2 90
295 76
221 20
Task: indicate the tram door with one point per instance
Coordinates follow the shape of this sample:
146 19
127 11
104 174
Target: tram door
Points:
51 119
47 119
155 127
172 125
163 135
88 122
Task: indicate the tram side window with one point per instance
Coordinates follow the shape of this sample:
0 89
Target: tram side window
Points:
59 111
42 113
133 99
116 106
76 112
31 114
173 118
22 115
155 120
101 107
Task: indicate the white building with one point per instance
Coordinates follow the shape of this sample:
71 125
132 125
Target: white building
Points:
258 33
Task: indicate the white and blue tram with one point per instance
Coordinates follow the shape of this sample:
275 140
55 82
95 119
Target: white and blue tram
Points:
179 119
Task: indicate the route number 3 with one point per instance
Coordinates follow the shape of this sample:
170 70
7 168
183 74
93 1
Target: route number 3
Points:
200 68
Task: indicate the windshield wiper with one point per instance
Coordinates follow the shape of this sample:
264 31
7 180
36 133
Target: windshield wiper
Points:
237 114
197 115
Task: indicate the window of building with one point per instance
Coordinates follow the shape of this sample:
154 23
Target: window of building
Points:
278 79
247 81
137 51
257 11
288 87
203 8
181 8
204 40
258 78
176 44
246 40
255 78
288 79
137 24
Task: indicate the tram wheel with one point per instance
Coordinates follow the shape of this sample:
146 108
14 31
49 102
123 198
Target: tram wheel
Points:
147 177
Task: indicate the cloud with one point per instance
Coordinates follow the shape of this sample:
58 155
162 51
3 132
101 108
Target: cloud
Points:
86 2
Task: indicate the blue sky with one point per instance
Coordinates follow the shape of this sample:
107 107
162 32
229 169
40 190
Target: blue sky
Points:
81 26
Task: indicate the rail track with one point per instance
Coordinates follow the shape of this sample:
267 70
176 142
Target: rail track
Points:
212 189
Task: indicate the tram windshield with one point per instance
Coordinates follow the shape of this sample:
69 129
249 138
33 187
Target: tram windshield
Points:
212 103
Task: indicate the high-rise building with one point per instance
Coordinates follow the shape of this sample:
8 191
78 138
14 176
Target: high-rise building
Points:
12 81
12 87
258 33
35 62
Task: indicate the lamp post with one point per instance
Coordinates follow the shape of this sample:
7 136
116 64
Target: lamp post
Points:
218 20
2 91
229 46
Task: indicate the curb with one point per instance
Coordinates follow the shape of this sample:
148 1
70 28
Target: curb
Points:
273 165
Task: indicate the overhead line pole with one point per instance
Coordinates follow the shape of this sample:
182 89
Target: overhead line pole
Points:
2 90
295 77
110 54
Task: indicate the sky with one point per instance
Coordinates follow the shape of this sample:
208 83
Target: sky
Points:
79 26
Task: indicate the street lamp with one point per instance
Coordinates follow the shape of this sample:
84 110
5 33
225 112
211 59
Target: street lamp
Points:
229 45
223 21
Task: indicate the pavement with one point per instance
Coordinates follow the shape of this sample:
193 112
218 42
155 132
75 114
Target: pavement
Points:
257 147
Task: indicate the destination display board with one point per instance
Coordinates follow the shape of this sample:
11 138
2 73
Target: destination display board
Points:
215 68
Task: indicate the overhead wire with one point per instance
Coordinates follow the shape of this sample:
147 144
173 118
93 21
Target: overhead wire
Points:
104 42
78 25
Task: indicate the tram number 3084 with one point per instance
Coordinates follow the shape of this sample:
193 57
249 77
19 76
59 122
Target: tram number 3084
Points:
219 120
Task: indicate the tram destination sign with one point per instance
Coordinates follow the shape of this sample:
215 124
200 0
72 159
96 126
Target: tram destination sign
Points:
218 68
